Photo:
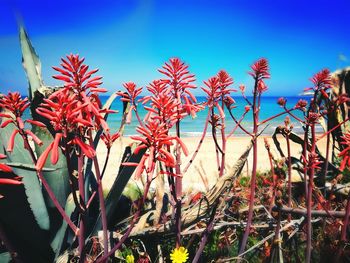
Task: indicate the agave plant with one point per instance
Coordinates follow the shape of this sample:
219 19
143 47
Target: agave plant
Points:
46 193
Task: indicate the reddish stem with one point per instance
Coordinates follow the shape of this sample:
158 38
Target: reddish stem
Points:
199 144
335 127
275 116
309 199
100 197
289 175
82 201
206 234
237 125
137 116
223 141
326 164
253 178
274 181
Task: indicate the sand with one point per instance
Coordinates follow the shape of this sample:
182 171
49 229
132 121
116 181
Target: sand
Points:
205 160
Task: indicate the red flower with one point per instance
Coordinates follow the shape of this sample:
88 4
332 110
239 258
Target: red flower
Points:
14 103
9 181
15 106
301 104
65 112
74 110
179 81
224 82
313 161
212 90
166 109
76 76
229 102
70 118
179 78
109 139
282 102
4 167
156 87
132 93
322 80
260 69
313 117
155 139
345 153
261 86
242 88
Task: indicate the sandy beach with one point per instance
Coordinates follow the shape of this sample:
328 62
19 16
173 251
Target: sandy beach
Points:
205 160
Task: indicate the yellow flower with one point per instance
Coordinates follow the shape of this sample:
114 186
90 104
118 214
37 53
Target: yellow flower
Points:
130 259
179 255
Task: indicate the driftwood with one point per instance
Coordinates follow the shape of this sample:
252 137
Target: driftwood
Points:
193 213
314 213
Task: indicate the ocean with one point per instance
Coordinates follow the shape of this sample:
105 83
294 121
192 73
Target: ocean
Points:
194 127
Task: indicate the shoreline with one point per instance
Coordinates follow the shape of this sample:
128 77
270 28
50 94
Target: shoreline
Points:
204 165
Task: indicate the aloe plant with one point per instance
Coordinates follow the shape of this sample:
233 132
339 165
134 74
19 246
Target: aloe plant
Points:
44 235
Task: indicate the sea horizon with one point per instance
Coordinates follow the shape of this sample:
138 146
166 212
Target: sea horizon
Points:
193 127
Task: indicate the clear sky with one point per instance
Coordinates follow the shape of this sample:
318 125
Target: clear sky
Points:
128 40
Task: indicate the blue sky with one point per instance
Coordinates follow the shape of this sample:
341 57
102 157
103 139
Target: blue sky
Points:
129 40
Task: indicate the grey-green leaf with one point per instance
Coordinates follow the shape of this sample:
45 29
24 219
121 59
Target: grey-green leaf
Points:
31 63
57 179
30 180
57 242
29 167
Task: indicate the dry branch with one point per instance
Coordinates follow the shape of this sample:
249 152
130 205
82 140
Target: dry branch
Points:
194 213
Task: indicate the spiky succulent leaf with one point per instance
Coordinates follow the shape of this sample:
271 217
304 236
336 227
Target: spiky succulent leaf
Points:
20 226
58 241
30 179
31 63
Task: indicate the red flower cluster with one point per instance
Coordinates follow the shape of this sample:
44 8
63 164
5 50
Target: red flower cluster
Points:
178 82
165 109
313 117
156 88
313 161
7 169
155 139
131 94
76 76
109 139
301 104
261 86
179 78
322 80
282 102
260 69
15 106
345 153
74 110
213 91
225 81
